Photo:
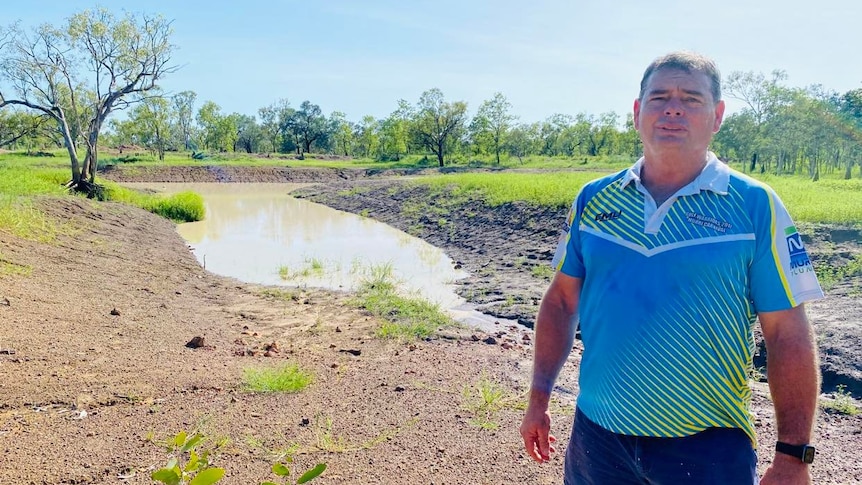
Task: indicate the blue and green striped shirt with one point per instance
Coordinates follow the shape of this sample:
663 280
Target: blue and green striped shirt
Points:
671 293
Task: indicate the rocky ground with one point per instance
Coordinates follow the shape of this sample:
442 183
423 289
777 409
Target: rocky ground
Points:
95 371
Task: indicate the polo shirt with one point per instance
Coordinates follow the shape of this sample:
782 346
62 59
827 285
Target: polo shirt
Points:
670 295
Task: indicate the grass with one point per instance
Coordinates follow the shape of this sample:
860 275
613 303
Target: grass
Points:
542 271
326 440
21 218
831 200
22 178
11 268
842 402
543 189
830 275
485 399
313 267
288 378
404 317
279 294
179 207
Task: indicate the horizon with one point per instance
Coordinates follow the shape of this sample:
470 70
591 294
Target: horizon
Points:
361 60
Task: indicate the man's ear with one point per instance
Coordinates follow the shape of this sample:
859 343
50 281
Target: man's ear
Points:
719 116
637 112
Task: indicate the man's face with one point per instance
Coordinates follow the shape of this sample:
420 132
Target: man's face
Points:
677 113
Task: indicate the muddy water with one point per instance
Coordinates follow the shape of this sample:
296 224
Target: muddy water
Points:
258 233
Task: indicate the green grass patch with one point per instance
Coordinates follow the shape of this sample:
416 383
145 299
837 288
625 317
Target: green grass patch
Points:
11 268
841 402
179 207
288 378
404 317
556 189
542 271
830 275
23 176
832 200
312 267
19 217
485 399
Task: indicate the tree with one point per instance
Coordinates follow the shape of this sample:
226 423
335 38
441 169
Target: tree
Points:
275 121
763 97
148 125
219 132
122 58
367 136
184 108
342 133
17 126
249 135
524 140
395 132
495 121
308 125
437 122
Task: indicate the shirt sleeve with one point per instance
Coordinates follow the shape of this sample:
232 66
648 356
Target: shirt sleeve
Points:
781 273
568 258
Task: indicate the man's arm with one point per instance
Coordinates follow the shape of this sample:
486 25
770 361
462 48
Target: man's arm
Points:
555 333
794 383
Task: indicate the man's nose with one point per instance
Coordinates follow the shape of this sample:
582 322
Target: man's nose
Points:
673 107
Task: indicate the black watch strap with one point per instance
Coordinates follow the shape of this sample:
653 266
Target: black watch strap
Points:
804 452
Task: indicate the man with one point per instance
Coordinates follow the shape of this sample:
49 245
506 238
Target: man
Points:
666 268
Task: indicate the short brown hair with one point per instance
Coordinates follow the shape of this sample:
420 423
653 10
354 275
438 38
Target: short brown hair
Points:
688 62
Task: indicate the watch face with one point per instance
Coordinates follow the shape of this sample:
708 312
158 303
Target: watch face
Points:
808 454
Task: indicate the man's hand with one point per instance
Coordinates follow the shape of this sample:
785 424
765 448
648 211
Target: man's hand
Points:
536 429
786 470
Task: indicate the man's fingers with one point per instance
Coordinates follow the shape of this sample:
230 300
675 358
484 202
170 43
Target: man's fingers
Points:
532 449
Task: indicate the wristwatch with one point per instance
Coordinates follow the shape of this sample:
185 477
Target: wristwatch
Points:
803 452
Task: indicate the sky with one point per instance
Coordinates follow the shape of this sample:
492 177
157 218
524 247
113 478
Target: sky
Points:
545 56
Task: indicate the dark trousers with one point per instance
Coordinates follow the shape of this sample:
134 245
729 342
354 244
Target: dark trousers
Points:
596 456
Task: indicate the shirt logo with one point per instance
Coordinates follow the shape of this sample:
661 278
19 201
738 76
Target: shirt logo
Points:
799 261
608 216
708 222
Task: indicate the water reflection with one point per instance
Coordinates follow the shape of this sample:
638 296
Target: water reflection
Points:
258 233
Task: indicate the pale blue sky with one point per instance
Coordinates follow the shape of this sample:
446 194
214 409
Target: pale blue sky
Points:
546 56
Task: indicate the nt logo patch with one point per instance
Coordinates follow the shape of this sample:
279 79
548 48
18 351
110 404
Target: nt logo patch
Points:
799 261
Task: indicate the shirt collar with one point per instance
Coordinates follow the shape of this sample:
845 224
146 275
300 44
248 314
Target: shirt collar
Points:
715 177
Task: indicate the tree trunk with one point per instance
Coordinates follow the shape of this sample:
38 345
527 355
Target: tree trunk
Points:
440 154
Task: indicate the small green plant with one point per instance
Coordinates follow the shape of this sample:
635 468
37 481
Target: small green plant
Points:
543 271
289 378
283 472
364 212
313 266
485 399
280 294
842 402
316 265
326 440
195 471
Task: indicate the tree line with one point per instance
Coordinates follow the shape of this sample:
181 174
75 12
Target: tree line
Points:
61 83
